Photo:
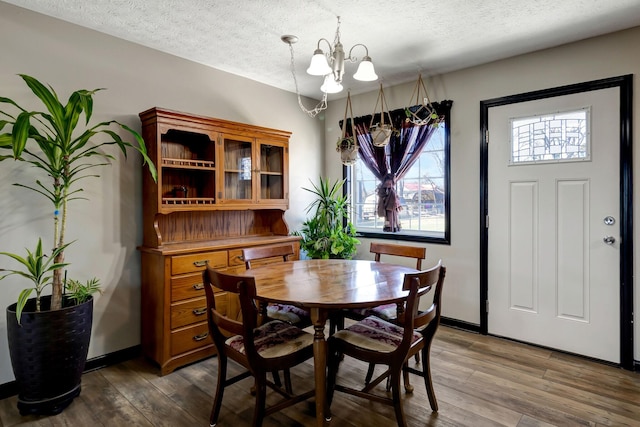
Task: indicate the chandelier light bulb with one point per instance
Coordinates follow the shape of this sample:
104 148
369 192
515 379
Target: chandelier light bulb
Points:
366 72
319 65
330 85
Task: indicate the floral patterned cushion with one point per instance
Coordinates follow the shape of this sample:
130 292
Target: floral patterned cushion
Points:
375 334
288 313
274 339
386 311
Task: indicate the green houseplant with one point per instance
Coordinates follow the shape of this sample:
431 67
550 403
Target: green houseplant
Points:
63 147
328 233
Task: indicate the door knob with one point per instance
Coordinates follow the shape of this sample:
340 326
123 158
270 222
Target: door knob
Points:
609 240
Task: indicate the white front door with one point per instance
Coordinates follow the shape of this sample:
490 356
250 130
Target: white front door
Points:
553 236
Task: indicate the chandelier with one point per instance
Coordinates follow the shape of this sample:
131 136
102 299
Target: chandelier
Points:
331 65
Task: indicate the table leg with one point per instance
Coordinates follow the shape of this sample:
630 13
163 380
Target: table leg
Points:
319 319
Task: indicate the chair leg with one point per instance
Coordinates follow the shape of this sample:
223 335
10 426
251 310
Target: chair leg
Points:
261 393
408 388
217 400
426 373
332 373
367 379
397 402
287 381
336 323
276 378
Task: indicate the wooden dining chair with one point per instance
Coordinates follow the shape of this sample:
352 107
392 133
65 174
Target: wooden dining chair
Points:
427 324
271 347
385 311
377 341
285 312
388 311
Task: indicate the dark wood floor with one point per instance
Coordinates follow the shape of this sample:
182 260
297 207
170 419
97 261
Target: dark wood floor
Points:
479 381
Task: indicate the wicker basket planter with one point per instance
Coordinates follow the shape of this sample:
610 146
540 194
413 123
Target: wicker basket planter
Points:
380 134
348 150
48 353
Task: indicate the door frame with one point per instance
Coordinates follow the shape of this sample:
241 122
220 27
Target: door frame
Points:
625 84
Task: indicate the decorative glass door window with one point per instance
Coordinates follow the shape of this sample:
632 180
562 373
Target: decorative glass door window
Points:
556 137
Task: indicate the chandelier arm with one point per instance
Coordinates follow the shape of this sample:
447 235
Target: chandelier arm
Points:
328 44
353 59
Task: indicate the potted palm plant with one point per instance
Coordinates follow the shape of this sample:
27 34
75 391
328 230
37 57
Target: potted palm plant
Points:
62 145
328 233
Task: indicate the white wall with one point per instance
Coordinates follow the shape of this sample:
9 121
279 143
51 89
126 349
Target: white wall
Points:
108 228
607 56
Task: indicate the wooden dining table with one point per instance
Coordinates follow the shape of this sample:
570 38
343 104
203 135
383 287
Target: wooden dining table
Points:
322 286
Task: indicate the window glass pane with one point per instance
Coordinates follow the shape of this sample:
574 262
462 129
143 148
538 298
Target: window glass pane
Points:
421 191
557 137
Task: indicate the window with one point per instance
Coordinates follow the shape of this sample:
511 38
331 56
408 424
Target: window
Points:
423 194
558 137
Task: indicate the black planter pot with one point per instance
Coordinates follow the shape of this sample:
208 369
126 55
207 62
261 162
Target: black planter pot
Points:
48 353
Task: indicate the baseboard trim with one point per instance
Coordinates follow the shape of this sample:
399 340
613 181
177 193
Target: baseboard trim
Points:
112 358
8 389
11 388
460 324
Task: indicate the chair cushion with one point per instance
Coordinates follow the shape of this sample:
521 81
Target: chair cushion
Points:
386 311
373 333
288 313
274 339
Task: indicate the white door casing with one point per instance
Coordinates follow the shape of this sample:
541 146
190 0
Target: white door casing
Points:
552 280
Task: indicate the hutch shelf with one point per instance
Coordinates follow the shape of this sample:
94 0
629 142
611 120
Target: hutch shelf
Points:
222 186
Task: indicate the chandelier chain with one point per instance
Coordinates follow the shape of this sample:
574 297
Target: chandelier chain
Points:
322 105
336 39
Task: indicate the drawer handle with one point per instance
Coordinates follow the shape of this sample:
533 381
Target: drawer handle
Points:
201 336
198 286
240 257
200 311
200 263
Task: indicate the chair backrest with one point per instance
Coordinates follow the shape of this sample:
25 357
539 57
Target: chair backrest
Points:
399 250
434 280
220 325
417 284
264 252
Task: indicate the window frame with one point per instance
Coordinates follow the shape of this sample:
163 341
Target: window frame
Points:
403 235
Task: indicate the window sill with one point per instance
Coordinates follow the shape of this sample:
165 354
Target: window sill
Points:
406 236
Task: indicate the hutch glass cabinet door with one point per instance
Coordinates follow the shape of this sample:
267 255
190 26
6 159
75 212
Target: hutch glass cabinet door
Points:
239 169
272 173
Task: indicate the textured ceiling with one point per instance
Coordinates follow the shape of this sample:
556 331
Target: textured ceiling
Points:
404 37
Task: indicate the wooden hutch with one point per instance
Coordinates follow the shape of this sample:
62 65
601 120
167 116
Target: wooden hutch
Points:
222 186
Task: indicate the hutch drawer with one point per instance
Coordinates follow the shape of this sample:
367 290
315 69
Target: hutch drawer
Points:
196 262
189 338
